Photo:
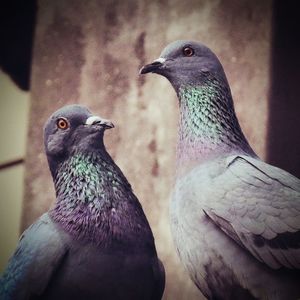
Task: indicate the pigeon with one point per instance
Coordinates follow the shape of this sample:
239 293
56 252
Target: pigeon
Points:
235 219
95 242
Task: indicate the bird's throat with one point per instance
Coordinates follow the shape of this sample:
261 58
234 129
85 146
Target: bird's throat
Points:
88 191
79 179
95 203
208 125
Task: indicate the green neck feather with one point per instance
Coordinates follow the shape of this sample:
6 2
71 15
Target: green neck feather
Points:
208 124
95 202
89 179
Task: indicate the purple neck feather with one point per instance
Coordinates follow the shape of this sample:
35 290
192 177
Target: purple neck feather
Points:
95 203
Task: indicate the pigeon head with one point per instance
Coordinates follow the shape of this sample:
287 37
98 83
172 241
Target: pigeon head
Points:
208 123
186 63
71 129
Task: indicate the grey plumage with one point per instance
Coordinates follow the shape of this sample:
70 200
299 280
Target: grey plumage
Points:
95 243
235 219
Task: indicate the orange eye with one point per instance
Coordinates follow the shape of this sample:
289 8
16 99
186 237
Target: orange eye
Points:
62 123
188 51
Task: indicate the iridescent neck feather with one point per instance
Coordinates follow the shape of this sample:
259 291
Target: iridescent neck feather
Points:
208 125
95 202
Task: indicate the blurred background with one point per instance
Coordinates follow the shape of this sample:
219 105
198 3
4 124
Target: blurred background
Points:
57 52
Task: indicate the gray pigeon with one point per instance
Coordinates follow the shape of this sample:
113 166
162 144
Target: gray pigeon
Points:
235 219
95 243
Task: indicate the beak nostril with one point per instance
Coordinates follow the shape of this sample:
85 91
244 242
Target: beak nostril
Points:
153 67
95 120
156 63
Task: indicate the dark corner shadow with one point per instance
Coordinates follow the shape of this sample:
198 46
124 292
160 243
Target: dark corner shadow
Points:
17 23
284 97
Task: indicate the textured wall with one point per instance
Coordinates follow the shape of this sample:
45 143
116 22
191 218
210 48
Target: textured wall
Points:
90 51
14 108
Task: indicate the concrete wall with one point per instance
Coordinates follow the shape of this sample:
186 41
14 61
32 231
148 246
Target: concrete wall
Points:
89 52
14 109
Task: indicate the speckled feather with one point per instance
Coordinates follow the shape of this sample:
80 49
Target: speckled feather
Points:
208 124
91 193
234 219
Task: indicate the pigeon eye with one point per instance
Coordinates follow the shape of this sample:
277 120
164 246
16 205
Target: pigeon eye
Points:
188 51
62 123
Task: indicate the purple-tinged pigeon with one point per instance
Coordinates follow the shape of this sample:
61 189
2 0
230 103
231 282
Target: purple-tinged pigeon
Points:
95 243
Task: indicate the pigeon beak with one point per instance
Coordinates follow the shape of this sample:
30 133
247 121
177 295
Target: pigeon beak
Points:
153 67
95 120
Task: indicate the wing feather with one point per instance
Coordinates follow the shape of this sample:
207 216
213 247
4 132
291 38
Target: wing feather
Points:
40 251
260 209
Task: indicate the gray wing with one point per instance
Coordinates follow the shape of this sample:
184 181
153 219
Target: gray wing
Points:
260 209
40 251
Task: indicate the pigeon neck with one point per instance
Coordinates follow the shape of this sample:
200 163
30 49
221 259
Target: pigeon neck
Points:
208 125
81 178
95 202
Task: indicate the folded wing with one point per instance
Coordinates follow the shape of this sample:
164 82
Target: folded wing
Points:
259 208
39 253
